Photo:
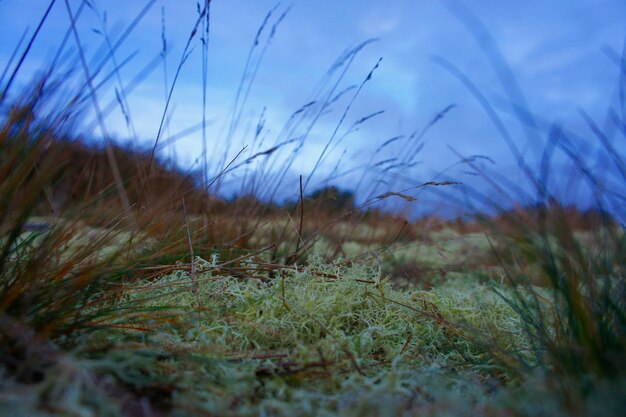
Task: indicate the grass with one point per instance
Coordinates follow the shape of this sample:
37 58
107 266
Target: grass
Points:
129 287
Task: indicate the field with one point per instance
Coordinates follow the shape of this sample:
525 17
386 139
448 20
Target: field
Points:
130 287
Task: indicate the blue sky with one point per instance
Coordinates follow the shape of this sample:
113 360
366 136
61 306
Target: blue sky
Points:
561 53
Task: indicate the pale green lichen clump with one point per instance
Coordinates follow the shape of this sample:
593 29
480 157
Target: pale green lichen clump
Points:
325 338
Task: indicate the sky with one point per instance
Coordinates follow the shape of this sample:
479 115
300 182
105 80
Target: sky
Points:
550 58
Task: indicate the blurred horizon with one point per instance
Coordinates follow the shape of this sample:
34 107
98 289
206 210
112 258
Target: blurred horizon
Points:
538 67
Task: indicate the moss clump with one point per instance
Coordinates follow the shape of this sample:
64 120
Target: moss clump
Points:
321 340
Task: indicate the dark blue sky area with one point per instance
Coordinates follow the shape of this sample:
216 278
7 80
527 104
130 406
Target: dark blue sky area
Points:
550 57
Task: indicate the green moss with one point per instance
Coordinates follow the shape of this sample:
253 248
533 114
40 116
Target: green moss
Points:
323 340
